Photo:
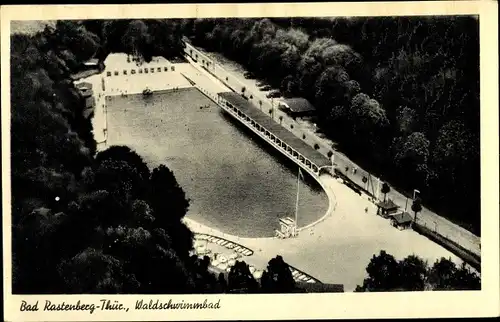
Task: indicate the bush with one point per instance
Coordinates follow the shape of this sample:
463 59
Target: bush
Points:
329 154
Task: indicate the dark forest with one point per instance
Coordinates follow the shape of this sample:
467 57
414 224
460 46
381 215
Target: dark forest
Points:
400 95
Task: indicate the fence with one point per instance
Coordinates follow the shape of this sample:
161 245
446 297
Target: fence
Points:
467 256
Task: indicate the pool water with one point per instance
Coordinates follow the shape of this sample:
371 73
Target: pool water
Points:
236 183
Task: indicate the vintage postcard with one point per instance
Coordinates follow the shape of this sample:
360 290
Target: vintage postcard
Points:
250 161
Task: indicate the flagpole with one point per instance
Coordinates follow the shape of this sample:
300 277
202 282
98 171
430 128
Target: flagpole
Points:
297 202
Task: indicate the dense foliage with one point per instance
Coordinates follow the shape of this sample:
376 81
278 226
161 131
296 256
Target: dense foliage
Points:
141 38
400 95
386 274
105 223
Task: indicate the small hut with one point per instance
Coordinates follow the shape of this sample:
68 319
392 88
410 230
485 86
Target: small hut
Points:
87 94
402 220
297 107
94 62
386 208
288 228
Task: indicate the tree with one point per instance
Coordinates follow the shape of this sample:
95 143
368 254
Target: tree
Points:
294 37
133 161
406 120
278 277
331 89
167 198
124 153
464 279
412 158
383 274
35 259
414 273
119 179
416 207
221 280
136 39
93 272
455 160
368 120
444 276
151 256
308 71
240 280
281 119
441 275
289 86
167 37
142 213
385 190
75 37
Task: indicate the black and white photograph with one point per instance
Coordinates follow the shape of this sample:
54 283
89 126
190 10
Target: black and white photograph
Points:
227 155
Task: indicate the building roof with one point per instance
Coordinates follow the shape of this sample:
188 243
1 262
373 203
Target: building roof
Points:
402 218
288 221
387 205
298 105
282 133
92 62
85 89
84 85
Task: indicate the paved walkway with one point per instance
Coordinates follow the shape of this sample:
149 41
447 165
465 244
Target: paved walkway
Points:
232 75
338 249
99 120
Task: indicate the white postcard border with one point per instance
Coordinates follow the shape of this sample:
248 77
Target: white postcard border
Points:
287 306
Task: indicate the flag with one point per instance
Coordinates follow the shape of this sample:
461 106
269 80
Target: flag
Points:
300 174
